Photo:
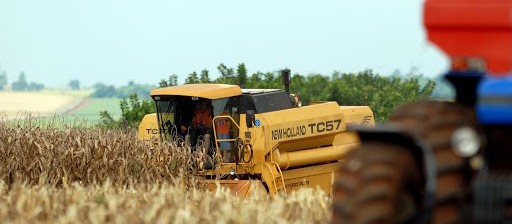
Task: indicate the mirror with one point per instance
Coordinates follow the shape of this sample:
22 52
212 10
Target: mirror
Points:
249 118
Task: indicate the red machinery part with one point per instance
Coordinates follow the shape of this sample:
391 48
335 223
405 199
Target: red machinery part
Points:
473 28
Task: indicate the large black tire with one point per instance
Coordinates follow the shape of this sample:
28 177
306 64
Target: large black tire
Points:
379 183
434 123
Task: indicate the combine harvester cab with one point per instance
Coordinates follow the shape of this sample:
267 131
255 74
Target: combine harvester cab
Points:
272 141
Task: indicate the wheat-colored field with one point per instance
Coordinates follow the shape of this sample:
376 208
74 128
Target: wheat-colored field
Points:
41 103
65 173
155 204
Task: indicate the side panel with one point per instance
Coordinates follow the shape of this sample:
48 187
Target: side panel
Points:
319 176
299 128
240 188
358 115
287 160
148 127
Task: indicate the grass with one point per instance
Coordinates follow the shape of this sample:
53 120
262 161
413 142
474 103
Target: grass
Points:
91 112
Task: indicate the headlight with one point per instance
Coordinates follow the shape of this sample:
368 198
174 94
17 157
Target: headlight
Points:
465 142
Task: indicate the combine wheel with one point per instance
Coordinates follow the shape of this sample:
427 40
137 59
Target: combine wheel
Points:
431 122
434 123
379 183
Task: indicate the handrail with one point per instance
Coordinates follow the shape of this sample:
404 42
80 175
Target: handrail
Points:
217 148
281 174
273 177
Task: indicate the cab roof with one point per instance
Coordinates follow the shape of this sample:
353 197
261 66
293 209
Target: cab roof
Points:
259 91
203 90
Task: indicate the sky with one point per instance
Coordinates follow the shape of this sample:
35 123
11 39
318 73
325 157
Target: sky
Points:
117 41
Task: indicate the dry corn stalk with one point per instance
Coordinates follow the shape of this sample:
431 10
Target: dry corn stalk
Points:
35 153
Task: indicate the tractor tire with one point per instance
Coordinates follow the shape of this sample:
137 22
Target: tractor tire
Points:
379 183
434 123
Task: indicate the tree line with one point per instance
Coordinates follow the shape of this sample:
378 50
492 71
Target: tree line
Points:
110 91
381 93
23 85
19 85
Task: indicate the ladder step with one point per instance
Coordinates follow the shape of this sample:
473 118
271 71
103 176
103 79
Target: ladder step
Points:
279 183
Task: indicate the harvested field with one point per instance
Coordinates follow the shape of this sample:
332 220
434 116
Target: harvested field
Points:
14 103
63 173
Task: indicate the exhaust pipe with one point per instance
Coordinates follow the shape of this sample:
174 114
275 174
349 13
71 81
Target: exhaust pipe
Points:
286 80
294 98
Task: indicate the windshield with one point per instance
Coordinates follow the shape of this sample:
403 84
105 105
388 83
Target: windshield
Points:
173 111
176 112
219 105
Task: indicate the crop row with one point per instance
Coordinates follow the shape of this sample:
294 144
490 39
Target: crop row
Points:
33 151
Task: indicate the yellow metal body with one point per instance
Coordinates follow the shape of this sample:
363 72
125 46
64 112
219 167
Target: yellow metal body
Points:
148 127
208 91
290 148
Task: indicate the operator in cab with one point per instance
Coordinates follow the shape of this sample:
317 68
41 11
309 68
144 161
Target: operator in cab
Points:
223 132
201 122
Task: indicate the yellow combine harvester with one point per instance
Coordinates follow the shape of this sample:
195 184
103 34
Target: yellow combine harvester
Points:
272 140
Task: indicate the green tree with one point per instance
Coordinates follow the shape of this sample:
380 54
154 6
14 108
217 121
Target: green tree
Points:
142 90
103 91
74 84
227 75
192 78
133 110
21 84
254 80
205 77
3 80
163 83
35 86
272 81
241 73
172 81
382 94
297 83
314 90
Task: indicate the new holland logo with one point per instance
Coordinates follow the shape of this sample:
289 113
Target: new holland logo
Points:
257 122
312 128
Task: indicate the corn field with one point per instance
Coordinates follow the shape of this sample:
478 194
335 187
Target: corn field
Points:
61 172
